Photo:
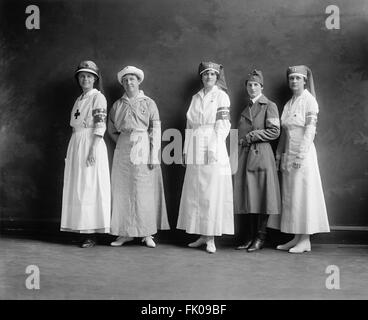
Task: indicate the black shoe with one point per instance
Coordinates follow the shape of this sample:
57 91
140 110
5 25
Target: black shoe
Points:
88 243
256 245
245 245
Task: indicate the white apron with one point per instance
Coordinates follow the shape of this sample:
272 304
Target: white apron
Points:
303 204
206 205
86 191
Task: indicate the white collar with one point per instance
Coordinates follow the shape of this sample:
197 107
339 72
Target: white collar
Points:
139 95
256 98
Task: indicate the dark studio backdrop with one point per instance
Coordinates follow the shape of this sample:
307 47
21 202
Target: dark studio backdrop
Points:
168 39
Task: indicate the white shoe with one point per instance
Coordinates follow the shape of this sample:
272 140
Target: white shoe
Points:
149 242
210 247
303 245
201 241
290 244
120 241
300 249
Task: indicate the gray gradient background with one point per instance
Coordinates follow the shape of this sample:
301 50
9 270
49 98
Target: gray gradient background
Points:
168 39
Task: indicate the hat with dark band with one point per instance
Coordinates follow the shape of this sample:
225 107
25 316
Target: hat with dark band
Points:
206 66
87 66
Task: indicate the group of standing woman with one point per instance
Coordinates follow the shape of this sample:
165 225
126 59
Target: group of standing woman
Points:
133 204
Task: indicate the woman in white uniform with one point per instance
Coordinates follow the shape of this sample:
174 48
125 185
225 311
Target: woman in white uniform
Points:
303 204
138 200
206 206
86 192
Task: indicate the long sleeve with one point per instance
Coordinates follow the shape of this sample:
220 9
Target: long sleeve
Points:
222 124
111 129
99 113
272 126
154 131
310 128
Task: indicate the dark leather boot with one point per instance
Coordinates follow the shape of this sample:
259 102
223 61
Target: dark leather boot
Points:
257 244
259 241
250 228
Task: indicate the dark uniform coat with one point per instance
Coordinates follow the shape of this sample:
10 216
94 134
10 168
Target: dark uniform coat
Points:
256 185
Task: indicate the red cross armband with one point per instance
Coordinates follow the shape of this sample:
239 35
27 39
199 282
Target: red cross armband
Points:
223 113
311 119
99 117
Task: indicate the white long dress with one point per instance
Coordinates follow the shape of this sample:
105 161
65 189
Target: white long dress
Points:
303 204
86 192
206 205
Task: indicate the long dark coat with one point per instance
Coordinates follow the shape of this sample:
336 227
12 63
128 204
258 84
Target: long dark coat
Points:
256 185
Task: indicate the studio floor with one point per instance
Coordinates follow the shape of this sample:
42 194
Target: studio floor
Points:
173 271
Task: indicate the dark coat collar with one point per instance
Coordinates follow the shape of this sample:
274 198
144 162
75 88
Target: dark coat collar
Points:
256 108
262 100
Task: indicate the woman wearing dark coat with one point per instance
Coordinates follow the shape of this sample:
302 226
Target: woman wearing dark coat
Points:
256 185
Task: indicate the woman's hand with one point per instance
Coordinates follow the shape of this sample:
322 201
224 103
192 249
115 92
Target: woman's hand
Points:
244 142
91 159
211 157
297 163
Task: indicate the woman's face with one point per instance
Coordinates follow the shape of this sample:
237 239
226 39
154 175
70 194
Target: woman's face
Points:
86 80
130 83
209 78
254 89
296 83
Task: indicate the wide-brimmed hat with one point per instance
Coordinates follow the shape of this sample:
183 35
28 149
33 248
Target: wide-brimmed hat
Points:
88 66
